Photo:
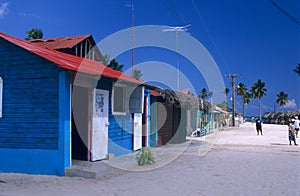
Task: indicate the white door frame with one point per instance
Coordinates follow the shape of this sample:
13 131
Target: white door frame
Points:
99 133
137 131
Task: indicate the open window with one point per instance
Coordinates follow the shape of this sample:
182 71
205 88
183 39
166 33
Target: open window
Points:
127 99
1 92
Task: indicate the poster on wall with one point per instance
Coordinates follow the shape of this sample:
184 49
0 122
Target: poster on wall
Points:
99 104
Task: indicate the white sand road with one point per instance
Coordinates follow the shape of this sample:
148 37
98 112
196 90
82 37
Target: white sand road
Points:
233 161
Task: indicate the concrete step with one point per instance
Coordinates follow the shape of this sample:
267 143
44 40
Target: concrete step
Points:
91 170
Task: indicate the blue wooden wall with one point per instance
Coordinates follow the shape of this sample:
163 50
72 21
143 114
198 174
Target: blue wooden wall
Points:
153 122
120 128
147 95
35 117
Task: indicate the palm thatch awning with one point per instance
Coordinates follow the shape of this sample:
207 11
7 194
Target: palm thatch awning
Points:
272 116
186 101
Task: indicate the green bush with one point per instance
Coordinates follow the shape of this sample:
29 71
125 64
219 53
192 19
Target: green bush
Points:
145 157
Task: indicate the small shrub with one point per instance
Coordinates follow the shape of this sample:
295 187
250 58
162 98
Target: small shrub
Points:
145 157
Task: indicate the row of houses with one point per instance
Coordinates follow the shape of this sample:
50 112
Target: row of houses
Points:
58 103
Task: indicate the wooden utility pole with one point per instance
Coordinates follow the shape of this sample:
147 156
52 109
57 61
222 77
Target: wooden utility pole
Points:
232 76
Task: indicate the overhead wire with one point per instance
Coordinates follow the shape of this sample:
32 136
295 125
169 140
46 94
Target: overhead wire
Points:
290 16
210 36
180 19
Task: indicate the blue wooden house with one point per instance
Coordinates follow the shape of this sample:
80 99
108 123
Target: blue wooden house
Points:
55 107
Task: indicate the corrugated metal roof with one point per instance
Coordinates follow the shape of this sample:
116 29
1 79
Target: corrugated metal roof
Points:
155 93
61 42
69 62
186 92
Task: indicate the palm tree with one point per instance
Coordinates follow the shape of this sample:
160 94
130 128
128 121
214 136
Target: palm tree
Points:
258 90
203 94
226 91
210 94
115 65
34 34
282 98
241 90
297 69
137 74
105 59
246 100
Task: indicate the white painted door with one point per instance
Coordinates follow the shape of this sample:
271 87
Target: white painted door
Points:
99 136
137 131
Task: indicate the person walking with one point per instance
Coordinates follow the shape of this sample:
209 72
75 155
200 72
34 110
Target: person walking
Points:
292 132
297 125
258 126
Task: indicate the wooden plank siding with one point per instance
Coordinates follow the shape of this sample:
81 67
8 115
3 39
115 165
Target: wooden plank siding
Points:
165 133
171 120
30 100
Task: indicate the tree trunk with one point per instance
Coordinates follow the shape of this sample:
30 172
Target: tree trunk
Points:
243 112
259 108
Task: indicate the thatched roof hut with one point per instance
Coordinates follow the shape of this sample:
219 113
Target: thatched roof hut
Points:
281 116
186 101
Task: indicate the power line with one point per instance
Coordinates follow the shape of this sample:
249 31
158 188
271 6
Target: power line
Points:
209 34
178 17
232 76
290 16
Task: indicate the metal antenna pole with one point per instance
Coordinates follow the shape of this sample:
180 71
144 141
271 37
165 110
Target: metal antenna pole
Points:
132 36
176 29
232 76
132 40
177 61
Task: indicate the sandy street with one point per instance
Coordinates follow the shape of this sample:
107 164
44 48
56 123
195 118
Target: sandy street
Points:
239 162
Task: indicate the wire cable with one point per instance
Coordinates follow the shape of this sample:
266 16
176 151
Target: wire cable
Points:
290 16
210 36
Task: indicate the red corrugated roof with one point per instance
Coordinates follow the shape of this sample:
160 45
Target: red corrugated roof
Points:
61 42
69 62
155 93
186 92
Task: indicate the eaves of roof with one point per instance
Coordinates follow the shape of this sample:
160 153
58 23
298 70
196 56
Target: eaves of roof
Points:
69 62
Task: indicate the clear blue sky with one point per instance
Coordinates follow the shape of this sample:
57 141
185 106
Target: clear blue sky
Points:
248 37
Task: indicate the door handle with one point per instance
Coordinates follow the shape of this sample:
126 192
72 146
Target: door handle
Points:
107 124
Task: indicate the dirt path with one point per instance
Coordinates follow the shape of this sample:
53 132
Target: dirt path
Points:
239 163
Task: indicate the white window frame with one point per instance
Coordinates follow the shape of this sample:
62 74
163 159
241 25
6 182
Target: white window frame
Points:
124 99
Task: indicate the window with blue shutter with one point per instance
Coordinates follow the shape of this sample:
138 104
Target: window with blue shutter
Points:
136 100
